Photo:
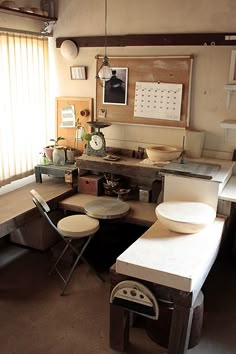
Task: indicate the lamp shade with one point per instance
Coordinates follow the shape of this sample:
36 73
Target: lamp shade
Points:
69 50
105 73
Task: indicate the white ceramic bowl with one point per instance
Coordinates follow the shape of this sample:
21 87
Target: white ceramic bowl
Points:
162 153
185 217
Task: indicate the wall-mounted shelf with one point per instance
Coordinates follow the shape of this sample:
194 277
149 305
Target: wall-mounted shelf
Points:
228 124
26 14
230 88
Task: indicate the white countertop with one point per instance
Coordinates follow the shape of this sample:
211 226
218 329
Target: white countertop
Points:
180 261
229 191
224 173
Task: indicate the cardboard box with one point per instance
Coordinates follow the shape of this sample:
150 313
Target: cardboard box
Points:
91 184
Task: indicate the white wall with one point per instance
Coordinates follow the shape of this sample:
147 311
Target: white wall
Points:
210 70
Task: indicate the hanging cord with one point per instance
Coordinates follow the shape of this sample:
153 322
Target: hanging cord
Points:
105 17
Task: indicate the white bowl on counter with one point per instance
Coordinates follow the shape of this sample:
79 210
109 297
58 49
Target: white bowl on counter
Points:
162 153
185 217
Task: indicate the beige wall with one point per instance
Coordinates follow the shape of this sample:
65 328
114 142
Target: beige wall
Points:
210 70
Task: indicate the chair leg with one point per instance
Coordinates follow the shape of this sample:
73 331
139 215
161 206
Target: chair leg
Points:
75 263
59 258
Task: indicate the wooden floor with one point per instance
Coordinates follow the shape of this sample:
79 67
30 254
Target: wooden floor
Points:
35 319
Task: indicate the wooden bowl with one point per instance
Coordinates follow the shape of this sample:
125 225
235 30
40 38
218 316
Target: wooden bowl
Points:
162 153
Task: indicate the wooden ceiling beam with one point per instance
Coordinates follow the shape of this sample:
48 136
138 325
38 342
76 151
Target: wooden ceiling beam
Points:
170 39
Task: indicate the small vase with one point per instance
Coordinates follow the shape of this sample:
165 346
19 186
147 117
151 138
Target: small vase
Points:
49 153
59 156
70 155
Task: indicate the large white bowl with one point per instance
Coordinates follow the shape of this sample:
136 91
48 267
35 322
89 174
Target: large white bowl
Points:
185 217
162 153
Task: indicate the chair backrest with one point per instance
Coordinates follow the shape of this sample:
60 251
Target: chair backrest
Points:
41 203
43 207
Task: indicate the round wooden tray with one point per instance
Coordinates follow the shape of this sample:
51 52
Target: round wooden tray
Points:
96 124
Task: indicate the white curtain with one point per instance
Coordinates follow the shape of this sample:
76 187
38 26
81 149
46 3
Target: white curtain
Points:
23 109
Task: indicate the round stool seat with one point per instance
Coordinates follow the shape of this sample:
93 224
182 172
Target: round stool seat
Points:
78 226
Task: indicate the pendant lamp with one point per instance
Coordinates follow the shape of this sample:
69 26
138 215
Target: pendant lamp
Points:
105 72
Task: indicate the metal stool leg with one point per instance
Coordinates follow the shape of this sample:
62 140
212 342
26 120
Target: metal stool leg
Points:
75 263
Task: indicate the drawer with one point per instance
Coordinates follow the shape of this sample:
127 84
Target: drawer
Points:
91 184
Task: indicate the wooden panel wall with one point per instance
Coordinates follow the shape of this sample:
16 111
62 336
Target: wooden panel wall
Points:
168 69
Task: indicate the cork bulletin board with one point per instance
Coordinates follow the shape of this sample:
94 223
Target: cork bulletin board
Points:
81 108
158 91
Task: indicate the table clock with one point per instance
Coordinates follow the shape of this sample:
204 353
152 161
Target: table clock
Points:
97 143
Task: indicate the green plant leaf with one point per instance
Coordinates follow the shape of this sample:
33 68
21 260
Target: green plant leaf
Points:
60 138
87 137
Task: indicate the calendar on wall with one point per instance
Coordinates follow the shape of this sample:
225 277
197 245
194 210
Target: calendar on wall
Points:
158 100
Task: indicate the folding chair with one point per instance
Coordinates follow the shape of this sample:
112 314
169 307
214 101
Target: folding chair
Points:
69 228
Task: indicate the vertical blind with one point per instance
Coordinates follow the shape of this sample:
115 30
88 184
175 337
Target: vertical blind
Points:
23 109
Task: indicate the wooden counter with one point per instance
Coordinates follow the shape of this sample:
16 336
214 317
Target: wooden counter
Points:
128 167
134 168
140 213
16 207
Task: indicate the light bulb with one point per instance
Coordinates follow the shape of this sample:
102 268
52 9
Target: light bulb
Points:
105 73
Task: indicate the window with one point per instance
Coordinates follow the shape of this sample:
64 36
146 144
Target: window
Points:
23 110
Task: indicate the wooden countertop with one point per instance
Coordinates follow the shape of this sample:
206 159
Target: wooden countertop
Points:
180 261
17 206
131 167
140 213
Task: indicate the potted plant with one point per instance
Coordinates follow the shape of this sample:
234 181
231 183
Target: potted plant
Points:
50 148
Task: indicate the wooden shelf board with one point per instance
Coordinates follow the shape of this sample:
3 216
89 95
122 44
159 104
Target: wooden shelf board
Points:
228 124
230 87
26 14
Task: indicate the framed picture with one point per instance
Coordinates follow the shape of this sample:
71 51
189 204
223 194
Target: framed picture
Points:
232 71
115 90
78 73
